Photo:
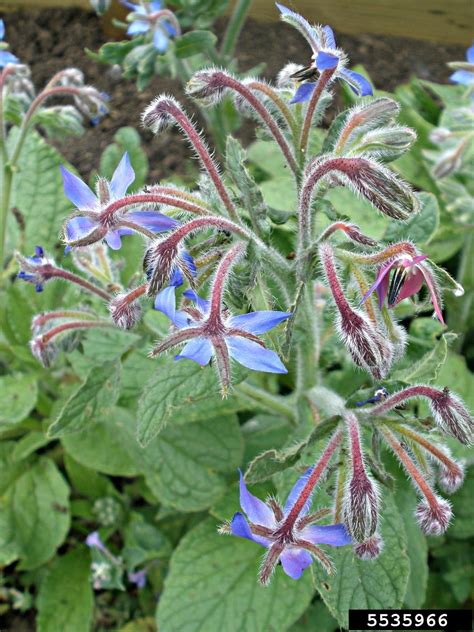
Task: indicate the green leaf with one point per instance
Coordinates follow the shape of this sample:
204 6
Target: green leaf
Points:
189 461
19 394
126 139
212 586
9 466
143 543
109 446
417 548
359 211
278 188
193 43
463 509
420 227
181 392
34 516
429 366
113 52
107 343
86 481
91 402
268 463
65 600
38 192
378 584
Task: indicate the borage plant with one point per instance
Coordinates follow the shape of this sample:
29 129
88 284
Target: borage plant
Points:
299 298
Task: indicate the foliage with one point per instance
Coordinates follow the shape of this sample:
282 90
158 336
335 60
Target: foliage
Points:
119 464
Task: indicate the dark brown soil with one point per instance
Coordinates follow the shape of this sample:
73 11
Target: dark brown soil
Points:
52 39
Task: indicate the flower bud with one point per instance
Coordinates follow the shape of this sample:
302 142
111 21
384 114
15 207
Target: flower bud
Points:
204 86
158 264
125 313
449 162
158 115
45 353
360 501
451 478
381 187
433 517
370 549
369 349
386 143
451 415
439 135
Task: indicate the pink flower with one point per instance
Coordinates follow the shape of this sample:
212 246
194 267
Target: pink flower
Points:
407 279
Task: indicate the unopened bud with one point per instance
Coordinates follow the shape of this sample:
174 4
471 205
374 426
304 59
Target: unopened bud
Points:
204 86
449 162
158 264
433 517
45 353
158 115
370 549
451 478
386 143
439 135
452 416
125 313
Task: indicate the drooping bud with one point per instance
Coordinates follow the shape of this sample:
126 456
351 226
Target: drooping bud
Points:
451 476
158 263
433 517
440 134
386 143
452 416
449 162
44 352
366 344
351 230
370 549
360 502
125 311
205 86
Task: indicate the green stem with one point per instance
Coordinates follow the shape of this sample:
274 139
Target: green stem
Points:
5 207
272 402
234 27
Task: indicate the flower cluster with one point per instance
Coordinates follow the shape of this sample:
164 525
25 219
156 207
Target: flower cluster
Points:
211 266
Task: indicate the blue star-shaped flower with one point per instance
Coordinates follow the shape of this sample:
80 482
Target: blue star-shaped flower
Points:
295 544
162 29
81 227
326 55
465 76
5 56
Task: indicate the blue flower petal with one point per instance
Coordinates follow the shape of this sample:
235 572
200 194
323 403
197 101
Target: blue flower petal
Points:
326 61
160 40
257 511
2 29
157 222
78 191
138 27
330 39
240 528
156 5
465 77
7 58
469 54
170 28
202 304
253 356
334 535
165 302
79 227
123 177
303 26
258 322
199 350
296 491
304 92
113 239
189 261
294 561
357 82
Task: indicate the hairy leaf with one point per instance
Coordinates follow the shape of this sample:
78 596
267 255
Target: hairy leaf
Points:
65 600
212 585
